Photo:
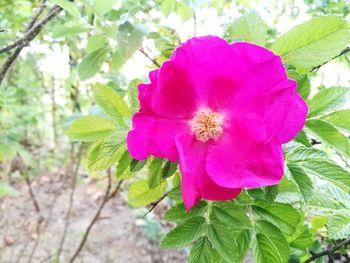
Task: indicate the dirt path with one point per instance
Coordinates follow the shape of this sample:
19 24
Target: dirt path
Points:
116 237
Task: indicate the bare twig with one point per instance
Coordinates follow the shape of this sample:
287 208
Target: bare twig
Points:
71 200
32 196
346 50
96 217
329 251
154 204
29 36
148 56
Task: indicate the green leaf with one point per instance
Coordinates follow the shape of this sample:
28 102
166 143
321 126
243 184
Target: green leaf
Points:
184 11
328 171
223 240
314 42
304 87
302 181
339 225
237 213
230 218
249 28
155 172
175 194
132 95
7 152
68 6
184 233
140 194
301 154
137 165
117 61
103 6
201 252
269 244
302 138
283 216
90 128
178 212
169 169
303 238
129 39
92 63
106 153
6 189
168 6
122 169
68 29
329 135
111 103
328 100
340 119
96 42
243 242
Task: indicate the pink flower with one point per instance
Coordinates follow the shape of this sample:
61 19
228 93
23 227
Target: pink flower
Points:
223 111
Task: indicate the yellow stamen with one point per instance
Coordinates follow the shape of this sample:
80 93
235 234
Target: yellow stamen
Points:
207 125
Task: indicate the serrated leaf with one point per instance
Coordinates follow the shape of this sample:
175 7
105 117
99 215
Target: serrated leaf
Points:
107 152
223 240
314 42
68 6
340 119
339 225
137 165
178 212
283 216
155 172
184 11
302 181
140 194
304 87
237 213
328 171
175 194
169 169
122 169
249 28
201 252
132 94
92 63
243 242
301 154
302 138
269 244
329 135
90 128
129 39
334 192
328 100
111 103
184 233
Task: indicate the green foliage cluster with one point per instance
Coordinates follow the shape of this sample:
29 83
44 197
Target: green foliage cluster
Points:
280 223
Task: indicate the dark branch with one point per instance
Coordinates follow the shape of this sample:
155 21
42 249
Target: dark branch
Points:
147 56
154 204
329 251
29 36
346 50
106 198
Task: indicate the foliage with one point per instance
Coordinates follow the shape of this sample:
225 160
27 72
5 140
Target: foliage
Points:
277 223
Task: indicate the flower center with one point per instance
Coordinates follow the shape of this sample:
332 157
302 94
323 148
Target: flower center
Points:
207 125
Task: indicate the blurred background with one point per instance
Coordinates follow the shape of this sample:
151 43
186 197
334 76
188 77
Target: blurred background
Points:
49 194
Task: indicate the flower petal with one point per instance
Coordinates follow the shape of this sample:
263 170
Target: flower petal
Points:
239 162
146 91
195 181
202 72
152 135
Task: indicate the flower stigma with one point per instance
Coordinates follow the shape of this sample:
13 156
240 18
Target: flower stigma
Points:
207 125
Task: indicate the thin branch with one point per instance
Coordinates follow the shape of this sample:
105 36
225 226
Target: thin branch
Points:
148 56
32 196
30 35
346 50
71 201
154 204
329 251
96 217
22 40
